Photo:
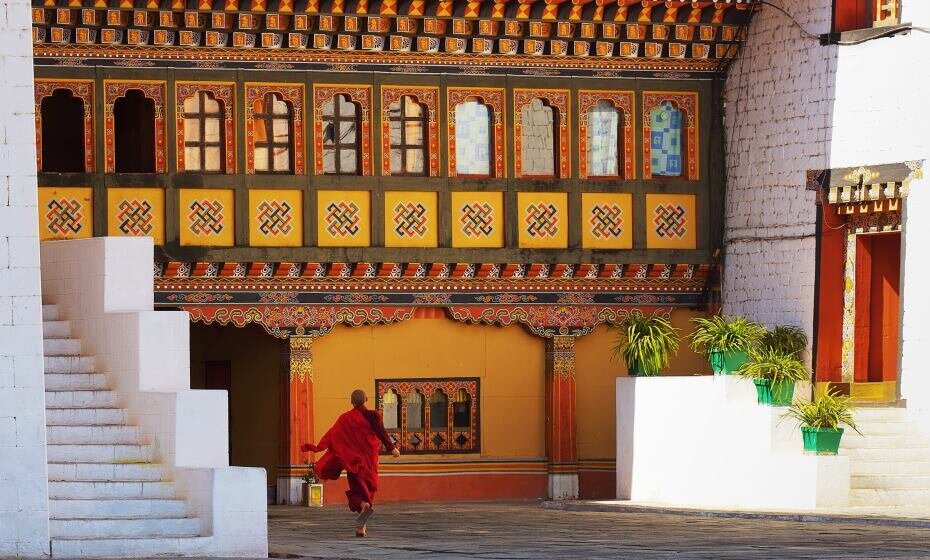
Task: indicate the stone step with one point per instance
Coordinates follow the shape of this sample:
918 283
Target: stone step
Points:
56 329
881 428
80 399
863 454
886 497
889 467
97 489
883 441
150 472
880 414
105 453
70 364
61 347
69 435
50 312
130 548
75 382
85 416
114 508
891 481
124 528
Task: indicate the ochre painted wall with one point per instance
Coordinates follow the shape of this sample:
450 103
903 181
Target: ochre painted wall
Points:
509 361
255 409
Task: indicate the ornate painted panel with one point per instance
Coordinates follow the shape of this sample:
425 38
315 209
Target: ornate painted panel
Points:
343 218
223 92
66 213
361 97
543 220
136 212
113 90
620 146
670 135
207 217
426 96
477 219
411 219
83 90
671 221
607 220
475 136
293 95
537 134
276 218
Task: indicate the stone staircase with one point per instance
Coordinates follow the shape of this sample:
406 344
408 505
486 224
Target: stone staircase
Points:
889 463
106 495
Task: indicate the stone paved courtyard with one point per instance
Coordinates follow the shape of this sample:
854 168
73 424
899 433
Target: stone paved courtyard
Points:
526 531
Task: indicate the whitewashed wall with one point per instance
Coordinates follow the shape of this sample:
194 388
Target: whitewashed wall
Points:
23 471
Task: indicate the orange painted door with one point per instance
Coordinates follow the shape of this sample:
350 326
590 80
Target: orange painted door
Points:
877 329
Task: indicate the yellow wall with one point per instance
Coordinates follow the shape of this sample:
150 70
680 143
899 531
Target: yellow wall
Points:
509 361
596 373
255 401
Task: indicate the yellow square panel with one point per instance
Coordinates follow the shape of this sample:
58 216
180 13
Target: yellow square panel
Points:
477 219
207 217
410 219
66 213
276 218
607 220
671 221
543 220
135 212
343 218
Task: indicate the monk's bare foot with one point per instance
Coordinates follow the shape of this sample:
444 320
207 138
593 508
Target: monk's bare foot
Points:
361 532
363 516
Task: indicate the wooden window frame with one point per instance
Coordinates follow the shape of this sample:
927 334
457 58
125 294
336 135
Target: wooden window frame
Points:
403 146
337 119
84 89
625 103
267 115
494 100
559 101
203 144
689 105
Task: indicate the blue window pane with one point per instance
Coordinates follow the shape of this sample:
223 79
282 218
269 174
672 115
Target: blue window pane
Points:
603 152
665 140
472 139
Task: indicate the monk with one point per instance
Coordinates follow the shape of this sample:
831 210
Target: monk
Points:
352 445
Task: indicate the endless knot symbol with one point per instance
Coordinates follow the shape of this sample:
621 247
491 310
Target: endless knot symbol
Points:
135 217
606 221
274 217
477 219
206 217
410 220
64 216
670 221
542 220
342 219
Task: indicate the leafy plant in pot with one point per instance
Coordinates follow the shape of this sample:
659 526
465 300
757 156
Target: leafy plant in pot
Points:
774 374
787 339
309 481
726 341
820 420
645 342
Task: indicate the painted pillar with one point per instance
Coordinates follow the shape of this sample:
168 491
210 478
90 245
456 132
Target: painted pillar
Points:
849 308
561 443
297 426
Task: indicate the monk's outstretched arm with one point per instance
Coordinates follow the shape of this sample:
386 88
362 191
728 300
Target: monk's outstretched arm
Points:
378 426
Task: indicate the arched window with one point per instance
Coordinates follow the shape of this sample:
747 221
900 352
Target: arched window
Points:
438 411
604 140
414 411
273 135
539 147
461 410
665 141
390 410
203 133
134 133
408 137
62 133
473 139
341 150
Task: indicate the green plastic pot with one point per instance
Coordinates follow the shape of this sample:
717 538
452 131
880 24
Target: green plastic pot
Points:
822 441
777 394
727 363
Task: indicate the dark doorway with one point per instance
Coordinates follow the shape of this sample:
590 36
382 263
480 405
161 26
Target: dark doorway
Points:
218 376
62 133
134 134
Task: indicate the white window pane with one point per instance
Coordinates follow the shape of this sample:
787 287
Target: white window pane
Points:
281 130
279 107
191 130
212 130
348 161
603 154
192 104
328 108
346 107
538 139
347 132
211 105
192 158
414 161
396 161
472 139
261 159
214 159
412 108
282 159
395 132
413 133
329 160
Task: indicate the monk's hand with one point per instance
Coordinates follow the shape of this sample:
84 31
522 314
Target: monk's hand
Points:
305 447
395 452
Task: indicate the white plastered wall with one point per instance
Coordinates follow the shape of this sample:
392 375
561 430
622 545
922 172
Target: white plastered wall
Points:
24 528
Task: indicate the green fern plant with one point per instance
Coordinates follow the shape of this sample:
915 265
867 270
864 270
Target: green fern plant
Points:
787 339
646 342
725 334
828 409
774 365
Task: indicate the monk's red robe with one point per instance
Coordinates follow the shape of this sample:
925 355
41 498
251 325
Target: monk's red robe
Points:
352 445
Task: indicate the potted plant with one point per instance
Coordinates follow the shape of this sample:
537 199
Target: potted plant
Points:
645 342
774 374
788 339
311 489
820 420
726 341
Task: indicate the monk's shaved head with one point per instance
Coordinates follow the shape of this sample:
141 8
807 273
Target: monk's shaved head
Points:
358 397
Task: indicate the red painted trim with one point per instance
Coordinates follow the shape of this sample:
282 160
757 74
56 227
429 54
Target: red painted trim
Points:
597 485
829 339
448 487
